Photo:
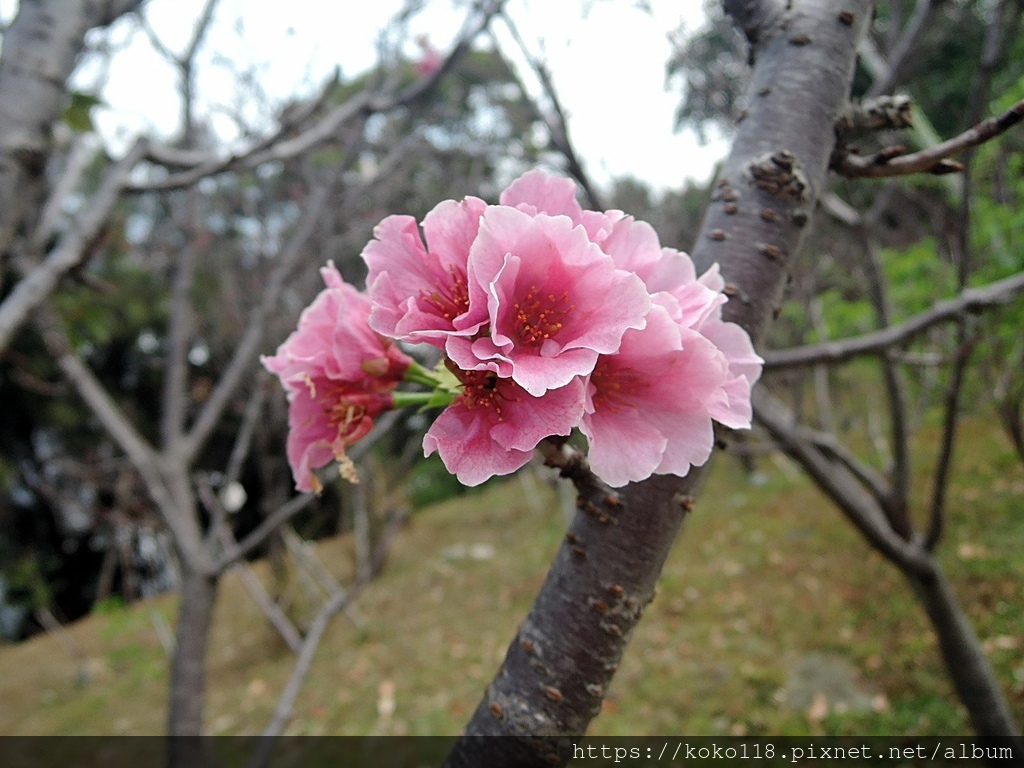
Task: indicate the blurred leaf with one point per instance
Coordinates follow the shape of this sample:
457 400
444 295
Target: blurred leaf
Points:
78 114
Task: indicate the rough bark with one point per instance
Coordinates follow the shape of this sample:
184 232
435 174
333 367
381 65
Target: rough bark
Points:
39 53
965 660
961 650
557 668
188 669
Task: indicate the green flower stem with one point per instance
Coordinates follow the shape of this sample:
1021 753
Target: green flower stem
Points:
422 399
417 374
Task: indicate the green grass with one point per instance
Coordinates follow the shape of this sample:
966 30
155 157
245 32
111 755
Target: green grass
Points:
760 577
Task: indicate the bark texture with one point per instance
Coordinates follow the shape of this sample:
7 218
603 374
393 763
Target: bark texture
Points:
188 669
556 671
965 659
39 53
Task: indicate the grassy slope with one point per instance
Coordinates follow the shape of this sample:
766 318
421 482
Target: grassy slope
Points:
760 577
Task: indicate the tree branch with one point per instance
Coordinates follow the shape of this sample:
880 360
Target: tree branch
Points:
839 484
878 342
142 456
893 162
340 600
33 289
557 669
259 534
362 105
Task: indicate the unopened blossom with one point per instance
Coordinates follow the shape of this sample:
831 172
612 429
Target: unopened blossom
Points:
431 60
648 405
554 300
493 426
421 293
338 375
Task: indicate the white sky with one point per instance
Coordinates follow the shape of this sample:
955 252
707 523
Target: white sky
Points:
607 58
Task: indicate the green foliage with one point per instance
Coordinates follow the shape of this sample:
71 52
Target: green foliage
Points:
711 68
28 583
109 605
129 301
78 113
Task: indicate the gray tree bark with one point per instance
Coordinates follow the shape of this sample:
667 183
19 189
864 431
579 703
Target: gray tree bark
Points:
40 50
188 668
964 657
557 668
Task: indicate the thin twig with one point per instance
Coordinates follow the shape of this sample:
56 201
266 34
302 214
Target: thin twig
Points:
895 387
258 535
558 124
77 244
340 600
893 162
250 419
839 484
878 342
362 105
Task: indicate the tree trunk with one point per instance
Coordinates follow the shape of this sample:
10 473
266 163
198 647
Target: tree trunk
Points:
188 670
555 674
965 660
40 50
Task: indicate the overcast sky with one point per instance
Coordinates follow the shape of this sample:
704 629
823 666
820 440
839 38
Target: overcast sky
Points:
607 58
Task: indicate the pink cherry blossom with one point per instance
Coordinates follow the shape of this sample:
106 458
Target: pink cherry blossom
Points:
539 192
421 293
697 305
701 309
338 375
493 426
648 406
430 61
555 300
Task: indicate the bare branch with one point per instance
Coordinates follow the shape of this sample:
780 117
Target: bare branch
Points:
895 386
362 105
894 162
74 246
944 463
142 456
245 352
339 601
250 580
878 342
557 124
259 534
900 56
869 477
283 711
179 330
200 164
839 484
78 158
250 419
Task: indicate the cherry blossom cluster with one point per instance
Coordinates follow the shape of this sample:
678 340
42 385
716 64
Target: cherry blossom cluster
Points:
550 318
